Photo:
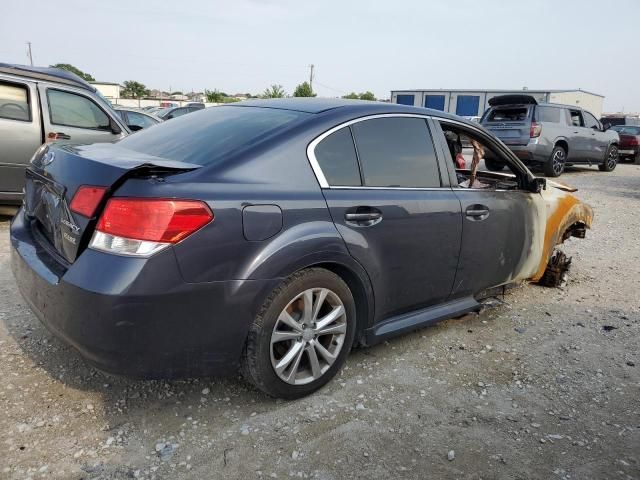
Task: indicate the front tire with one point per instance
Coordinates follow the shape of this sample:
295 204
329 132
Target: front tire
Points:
301 337
556 163
610 160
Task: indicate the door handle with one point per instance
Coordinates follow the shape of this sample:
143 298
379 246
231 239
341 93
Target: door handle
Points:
477 212
363 216
359 217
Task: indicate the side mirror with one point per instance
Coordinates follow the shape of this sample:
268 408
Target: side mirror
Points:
115 128
134 128
606 126
596 127
538 184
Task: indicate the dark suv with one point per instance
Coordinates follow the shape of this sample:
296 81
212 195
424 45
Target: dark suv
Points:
549 135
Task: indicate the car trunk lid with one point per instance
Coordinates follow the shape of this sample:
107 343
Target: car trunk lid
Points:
56 173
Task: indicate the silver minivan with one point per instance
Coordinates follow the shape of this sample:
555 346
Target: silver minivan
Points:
41 105
549 135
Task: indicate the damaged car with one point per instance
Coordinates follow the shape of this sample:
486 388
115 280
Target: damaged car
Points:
275 235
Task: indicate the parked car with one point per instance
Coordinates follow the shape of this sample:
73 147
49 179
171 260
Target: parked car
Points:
137 119
629 142
169 113
39 105
549 135
258 235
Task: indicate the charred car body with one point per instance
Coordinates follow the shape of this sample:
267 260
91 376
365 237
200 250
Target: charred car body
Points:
274 236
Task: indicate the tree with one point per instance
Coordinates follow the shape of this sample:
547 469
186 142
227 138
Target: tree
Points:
214 96
134 89
70 68
274 91
304 90
361 96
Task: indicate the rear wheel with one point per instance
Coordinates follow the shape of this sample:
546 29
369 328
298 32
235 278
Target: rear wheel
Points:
555 165
302 335
610 161
493 165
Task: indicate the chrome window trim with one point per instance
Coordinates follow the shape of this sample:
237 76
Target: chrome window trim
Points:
315 165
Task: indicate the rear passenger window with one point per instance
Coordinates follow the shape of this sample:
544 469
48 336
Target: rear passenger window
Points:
14 102
73 110
396 152
336 156
548 114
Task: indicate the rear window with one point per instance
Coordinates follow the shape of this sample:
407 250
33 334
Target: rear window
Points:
509 114
548 114
207 136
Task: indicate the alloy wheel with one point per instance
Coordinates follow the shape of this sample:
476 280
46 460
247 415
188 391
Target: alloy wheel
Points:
612 159
308 336
558 160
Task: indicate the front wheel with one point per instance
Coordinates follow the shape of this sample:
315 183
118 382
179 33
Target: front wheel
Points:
302 335
555 165
610 161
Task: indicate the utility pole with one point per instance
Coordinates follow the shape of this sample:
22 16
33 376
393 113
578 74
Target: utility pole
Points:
29 53
311 76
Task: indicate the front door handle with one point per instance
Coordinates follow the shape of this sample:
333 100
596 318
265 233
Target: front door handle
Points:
477 212
57 136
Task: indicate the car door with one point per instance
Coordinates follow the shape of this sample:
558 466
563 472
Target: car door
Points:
599 141
497 228
387 200
579 138
20 134
72 116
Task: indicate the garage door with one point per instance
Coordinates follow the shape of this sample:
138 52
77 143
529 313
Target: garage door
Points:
434 101
406 99
467 105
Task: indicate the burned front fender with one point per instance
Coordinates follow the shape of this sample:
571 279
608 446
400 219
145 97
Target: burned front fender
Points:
563 215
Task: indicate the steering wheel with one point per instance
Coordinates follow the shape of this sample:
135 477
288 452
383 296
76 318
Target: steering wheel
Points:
14 105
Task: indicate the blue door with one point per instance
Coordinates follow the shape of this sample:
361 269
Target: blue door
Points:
467 105
434 101
406 99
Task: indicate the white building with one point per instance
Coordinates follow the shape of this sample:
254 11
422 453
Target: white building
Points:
109 90
472 103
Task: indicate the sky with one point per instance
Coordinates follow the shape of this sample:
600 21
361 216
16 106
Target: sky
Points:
356 45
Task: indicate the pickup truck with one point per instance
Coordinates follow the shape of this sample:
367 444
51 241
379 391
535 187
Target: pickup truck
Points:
42 105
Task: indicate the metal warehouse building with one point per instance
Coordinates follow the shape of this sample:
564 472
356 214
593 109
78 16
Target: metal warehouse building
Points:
472 103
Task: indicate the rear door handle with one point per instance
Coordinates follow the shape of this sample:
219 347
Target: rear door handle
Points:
58 136
363 216
359 217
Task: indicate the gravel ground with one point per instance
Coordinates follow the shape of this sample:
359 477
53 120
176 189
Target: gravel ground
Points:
545 384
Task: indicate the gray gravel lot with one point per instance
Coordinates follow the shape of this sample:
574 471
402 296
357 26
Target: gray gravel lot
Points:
534 387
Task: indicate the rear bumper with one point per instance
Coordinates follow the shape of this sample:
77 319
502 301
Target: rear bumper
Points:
624 151
134 316
533 152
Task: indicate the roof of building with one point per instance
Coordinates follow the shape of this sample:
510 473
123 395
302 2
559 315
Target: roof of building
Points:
484 90
46 73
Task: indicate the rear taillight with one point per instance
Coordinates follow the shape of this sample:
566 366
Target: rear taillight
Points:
633 141
144 226
86 200
535 130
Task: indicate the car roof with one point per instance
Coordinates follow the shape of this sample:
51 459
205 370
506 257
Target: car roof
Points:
320 105
50 74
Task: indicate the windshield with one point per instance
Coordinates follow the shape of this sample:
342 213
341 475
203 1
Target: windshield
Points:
207 136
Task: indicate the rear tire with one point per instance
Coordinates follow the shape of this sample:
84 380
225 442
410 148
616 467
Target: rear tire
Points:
610 160
289 352
556 163
493 165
